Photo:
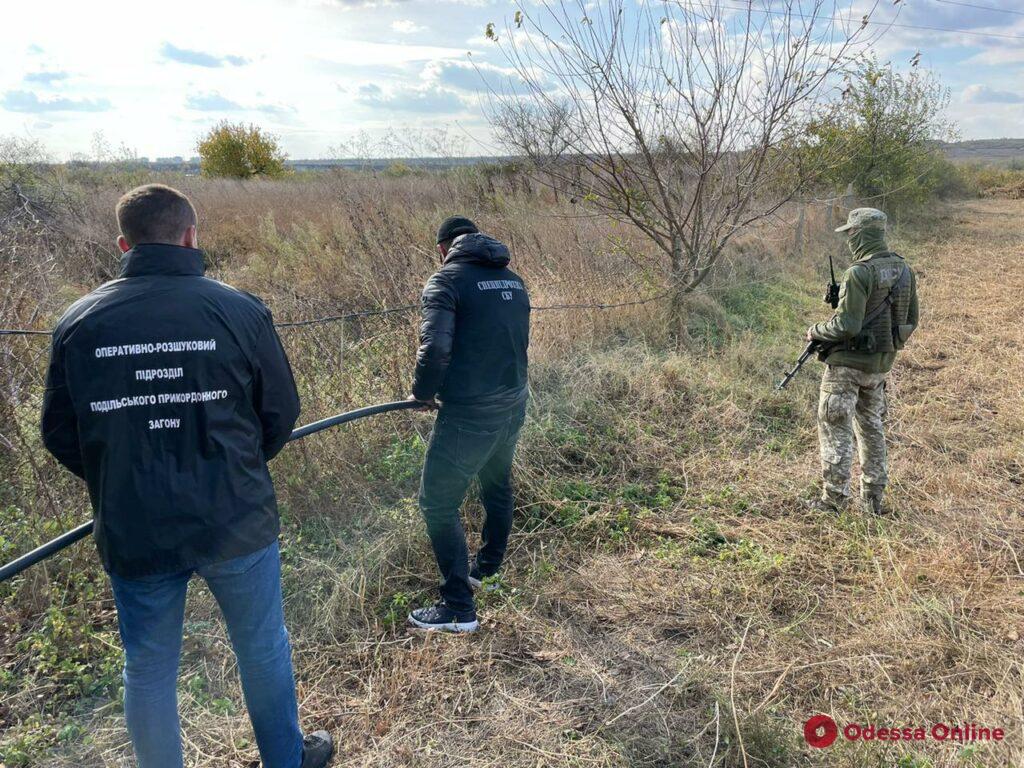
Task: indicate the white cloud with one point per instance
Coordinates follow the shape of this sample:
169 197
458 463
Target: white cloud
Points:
982 94
429 99
215 102
477 77
347 4
406 27
1000 55
46 78
364 53
211 102
200 58
27 101
995 121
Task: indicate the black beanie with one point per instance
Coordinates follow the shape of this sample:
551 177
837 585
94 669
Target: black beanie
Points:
454 226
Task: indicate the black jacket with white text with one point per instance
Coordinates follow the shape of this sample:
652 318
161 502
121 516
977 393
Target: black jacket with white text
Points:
474 333
168 392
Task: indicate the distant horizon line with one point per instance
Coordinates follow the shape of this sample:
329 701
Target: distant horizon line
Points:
1011 147
323 161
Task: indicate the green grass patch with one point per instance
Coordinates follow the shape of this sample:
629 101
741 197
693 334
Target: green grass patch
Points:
401 461
768 308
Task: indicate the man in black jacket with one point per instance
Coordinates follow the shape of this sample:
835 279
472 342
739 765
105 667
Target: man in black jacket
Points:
168 392
472 358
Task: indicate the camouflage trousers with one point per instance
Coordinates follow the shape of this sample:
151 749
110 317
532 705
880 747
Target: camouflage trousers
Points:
852 405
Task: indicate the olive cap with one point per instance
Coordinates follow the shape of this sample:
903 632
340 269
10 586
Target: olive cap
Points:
860 218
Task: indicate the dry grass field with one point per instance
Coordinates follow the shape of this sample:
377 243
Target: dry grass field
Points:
668 599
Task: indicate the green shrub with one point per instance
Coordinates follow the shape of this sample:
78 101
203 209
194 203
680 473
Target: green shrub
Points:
981 180
883 139
238 151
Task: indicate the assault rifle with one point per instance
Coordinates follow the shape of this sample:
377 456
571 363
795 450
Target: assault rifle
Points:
811 348
814 346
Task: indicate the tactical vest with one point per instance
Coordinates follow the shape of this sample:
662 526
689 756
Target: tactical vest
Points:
885 327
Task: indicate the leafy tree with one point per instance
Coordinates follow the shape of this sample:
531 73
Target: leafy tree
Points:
239 151
884 139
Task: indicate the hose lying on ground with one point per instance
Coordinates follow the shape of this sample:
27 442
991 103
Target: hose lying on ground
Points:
15 567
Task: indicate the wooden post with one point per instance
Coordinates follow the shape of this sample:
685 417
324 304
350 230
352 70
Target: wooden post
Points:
843 213
798 238
341 348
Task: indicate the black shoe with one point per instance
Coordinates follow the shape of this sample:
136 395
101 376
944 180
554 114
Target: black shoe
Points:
441 618
477 580
317 749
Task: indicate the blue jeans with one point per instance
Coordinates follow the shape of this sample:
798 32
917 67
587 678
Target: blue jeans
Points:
460 450
150 612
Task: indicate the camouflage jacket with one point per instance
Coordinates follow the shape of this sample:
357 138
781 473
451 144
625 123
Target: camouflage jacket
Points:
855 294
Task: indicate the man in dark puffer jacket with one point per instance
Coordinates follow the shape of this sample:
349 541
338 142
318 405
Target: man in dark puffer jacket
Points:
473 359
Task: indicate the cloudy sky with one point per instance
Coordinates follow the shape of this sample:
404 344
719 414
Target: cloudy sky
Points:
153 76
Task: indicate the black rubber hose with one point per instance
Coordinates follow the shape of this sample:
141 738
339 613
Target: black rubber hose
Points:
15 567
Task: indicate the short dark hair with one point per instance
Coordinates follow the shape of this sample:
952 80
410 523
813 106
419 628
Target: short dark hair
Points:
154 213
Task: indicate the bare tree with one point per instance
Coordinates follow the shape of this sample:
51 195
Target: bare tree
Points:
684 118
406 142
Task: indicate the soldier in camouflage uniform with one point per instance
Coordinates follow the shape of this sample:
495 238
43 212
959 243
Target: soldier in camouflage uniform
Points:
877 312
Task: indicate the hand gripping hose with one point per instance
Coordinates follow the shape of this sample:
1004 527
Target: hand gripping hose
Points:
15 567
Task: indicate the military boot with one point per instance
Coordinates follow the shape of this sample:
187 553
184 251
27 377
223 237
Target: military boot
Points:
828 503
874 505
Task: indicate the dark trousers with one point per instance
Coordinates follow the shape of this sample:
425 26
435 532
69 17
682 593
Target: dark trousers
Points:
460 450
